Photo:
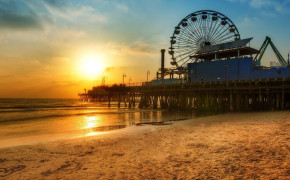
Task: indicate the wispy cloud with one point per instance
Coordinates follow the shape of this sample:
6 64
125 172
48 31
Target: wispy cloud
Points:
137 47
7 76
59 4
74 12
270 5
121 7
13 17
247 22
109 69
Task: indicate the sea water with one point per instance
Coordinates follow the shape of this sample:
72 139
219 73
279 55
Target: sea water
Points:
26 121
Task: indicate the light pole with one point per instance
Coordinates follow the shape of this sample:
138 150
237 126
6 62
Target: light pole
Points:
130 79
124 75
104 79
148 73
288 57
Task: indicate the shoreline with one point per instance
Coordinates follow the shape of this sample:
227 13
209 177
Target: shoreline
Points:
234 145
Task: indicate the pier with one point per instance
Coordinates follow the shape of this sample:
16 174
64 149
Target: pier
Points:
219 97
217 74
212 97
126 95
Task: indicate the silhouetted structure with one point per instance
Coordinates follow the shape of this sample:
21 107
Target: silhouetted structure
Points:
216 72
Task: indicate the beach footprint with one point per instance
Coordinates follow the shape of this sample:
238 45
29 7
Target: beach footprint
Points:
10 170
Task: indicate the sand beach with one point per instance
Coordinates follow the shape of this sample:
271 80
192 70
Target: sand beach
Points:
229 146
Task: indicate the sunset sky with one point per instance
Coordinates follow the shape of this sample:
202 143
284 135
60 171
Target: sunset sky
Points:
47 46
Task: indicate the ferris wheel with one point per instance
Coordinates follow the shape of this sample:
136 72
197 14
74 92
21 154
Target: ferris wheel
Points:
197 30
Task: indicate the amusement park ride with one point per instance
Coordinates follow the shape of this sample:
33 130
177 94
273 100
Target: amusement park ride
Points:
210 36
216 71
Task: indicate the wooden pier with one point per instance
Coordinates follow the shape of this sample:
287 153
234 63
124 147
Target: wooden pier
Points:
128 95
209 97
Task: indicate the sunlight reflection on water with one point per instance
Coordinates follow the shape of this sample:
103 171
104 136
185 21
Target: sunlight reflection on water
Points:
92 133
60 119
106 120
91 121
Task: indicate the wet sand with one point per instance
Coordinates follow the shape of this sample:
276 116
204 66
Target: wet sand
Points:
229 146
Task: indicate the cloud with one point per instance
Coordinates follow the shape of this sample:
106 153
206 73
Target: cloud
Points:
260 3
59 83
108 69
73 12
16 21
6 76
247 22
13 17
121 7
137 47
270 5
58 4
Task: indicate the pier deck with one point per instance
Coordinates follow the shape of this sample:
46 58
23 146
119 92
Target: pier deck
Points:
208 96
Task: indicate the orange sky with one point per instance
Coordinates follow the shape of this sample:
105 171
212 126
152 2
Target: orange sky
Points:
70 71
47 47
49 53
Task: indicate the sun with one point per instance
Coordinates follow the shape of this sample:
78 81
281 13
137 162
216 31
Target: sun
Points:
91 66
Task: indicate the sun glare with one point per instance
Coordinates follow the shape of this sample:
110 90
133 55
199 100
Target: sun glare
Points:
91 66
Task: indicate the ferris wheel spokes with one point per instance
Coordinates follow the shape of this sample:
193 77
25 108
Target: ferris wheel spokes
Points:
199 29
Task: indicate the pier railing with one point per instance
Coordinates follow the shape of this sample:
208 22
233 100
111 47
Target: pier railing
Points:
125 84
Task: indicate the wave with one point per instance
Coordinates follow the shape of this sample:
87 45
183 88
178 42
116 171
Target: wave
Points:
20 109
43 117
37 107
12 110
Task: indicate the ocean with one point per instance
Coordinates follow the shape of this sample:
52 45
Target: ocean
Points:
28 121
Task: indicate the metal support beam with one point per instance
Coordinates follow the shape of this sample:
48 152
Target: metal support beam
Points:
162 63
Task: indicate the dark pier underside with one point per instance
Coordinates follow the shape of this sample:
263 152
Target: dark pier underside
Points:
206 97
